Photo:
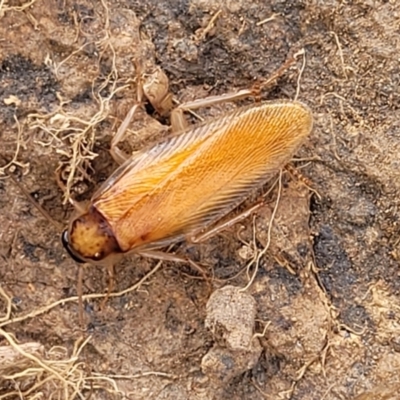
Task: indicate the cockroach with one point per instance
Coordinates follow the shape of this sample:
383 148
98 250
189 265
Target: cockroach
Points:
183 185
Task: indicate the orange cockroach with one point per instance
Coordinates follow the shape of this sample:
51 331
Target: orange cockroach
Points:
184 184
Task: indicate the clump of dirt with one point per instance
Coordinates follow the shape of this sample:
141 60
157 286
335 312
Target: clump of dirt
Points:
231 317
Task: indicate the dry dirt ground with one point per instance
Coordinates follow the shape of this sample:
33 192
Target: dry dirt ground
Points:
320 320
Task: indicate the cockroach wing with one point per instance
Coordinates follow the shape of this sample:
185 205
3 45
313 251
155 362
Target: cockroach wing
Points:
146 170
189 182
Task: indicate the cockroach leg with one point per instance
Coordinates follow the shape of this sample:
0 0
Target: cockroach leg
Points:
203 236
263 84
294 172
80 295
118 155
177 119
163 256
110 286
213 100
154 87
200 270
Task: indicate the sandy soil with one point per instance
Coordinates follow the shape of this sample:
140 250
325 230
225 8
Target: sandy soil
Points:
321 318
